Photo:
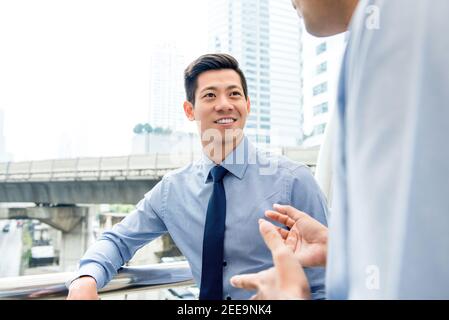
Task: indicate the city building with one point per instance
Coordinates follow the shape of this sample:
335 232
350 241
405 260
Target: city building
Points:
265 37
4 155
322 64
167 64
174 142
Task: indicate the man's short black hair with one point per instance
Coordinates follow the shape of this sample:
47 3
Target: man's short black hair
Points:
213 61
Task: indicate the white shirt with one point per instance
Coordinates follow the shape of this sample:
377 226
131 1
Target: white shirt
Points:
390 220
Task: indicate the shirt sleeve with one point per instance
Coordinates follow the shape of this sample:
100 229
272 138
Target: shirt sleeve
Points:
307 196
117 246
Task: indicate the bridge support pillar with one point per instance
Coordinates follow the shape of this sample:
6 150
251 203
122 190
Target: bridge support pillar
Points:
76 242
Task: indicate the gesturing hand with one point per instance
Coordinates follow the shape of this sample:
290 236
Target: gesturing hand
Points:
307 237
286 280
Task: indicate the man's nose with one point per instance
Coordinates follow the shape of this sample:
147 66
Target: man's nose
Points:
224 104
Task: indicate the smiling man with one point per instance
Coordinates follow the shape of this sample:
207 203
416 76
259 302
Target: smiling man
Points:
211 207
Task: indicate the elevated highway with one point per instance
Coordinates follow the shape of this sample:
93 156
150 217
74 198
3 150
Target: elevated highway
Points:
108 180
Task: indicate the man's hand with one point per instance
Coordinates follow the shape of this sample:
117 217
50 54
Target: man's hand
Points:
307 237
286 280
83 288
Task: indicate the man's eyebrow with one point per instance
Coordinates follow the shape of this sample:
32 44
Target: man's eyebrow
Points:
234 86
208 88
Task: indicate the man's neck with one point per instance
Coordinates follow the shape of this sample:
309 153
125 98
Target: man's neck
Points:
217 152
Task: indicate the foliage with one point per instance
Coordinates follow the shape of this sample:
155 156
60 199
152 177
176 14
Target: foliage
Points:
121 208
27 243
146 128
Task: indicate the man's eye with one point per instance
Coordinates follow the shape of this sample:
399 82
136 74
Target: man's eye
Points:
236 93
209 95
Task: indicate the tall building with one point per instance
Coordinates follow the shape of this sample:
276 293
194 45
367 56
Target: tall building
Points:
322 63
265 37
167 87
4 156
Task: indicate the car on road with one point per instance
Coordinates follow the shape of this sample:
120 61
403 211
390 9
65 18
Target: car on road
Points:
6 228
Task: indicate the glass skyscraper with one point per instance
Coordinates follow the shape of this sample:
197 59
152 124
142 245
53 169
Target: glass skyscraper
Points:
322 63
167 87
265 37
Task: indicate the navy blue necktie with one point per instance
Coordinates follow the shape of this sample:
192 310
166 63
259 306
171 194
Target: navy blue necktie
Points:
213 241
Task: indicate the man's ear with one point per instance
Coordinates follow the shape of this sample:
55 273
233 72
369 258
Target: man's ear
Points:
188 110
248 105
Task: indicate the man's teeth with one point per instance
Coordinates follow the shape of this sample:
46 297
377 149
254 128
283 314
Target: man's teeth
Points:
224 121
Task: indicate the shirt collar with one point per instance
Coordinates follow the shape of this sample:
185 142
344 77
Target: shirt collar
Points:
236 162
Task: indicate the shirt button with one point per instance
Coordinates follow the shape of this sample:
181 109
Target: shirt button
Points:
225 263
228 297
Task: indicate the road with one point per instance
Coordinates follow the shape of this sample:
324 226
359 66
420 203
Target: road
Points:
10 249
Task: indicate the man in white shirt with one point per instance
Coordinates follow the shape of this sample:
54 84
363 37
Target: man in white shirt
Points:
388 228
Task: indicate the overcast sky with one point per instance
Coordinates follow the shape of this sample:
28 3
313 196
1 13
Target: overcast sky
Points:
76 73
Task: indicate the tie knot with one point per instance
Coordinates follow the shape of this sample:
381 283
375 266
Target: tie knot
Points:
218 173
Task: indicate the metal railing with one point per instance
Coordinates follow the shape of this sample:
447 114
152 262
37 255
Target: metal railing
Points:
103 168
128 279
122 167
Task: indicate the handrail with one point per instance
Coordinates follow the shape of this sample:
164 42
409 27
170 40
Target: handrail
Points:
99 171
128 279
157 172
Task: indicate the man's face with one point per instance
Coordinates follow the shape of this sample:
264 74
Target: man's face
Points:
220 104
324 18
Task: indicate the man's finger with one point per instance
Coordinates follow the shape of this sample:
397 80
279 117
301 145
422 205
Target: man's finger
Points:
282 218
291 275
292 240
284 233
270 235
293 213
249 281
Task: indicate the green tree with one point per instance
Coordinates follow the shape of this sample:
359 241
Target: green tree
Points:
158 130
138 129
147 128
121 208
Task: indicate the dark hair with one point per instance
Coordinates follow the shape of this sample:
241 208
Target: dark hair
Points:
213 61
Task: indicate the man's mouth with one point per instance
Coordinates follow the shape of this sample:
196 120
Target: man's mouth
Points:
225 120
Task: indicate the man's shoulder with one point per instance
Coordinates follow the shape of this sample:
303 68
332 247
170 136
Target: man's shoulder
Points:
175 177
184 171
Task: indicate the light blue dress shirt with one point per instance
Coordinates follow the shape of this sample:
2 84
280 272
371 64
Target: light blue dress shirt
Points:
178 205
390 219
